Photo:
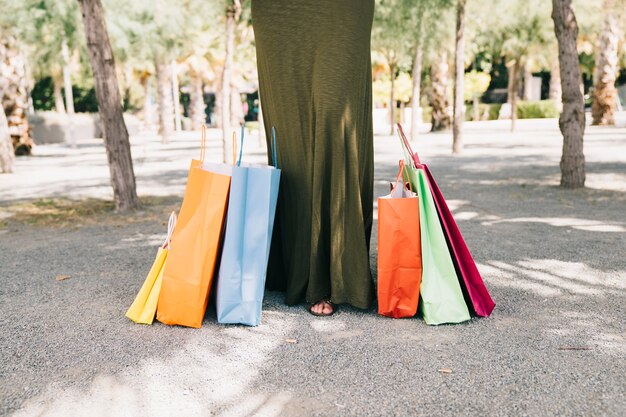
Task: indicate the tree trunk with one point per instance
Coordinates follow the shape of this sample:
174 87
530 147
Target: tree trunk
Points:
511 88
459 74
528 81
14 95
59 106
476 108
555 81
572 120
69 95
604 91
233 11
439 93
164 98
237 118
110 106
7 155
216 116
67 79
178 125
415 100
197 106
148 110
513 91
392 98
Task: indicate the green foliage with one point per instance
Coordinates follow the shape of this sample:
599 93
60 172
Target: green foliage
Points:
544 109
427 114
85 100
389 34
399 25
42 26
494 110
486 111
513 29
192 33
43 97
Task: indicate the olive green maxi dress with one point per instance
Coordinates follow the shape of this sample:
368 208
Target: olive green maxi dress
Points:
315 87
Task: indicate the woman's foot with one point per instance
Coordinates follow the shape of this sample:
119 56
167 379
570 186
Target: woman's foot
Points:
323 308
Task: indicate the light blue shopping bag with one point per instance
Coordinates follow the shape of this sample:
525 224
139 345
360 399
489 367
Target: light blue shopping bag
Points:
249 225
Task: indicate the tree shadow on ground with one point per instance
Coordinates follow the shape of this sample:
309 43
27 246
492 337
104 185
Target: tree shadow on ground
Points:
552 259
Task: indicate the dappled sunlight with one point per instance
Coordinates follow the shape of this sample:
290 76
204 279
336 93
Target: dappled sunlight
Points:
548 277
576 271
160 169
266 405
325 326
592 326
606 181
138 240
501 274
456 204
220 373
465 215
579 224
581 323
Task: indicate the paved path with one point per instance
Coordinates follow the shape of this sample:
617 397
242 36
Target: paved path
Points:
553 260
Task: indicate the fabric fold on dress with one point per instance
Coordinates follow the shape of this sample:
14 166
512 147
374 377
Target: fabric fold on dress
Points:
315 87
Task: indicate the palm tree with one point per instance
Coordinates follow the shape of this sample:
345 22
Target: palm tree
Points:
459 75
439 101
14 93
7 155
522 38
233 13
572 120
427 32
393 39
110 106
52 30
164 98
604 91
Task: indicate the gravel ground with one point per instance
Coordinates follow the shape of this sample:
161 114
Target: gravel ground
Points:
552 259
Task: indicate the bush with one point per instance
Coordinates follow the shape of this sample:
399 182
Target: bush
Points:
43 97
494 110
544 109
487 111
427 114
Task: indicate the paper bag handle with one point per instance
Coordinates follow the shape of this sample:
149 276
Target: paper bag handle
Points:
407 146
243 132
401 172
203 144
171 224
234 148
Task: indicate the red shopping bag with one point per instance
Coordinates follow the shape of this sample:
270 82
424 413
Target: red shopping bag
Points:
480 302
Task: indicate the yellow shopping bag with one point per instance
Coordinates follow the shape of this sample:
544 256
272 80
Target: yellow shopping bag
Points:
144 307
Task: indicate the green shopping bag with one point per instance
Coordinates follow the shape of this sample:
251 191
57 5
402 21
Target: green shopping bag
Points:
441 298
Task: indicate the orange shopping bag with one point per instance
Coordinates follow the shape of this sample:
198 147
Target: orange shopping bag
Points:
399 251
193 252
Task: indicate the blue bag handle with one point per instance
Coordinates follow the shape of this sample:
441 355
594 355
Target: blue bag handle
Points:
243 131
274 147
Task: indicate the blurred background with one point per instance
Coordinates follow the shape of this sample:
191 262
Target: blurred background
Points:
171 57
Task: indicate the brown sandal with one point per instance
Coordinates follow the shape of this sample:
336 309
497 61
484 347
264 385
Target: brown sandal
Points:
334 307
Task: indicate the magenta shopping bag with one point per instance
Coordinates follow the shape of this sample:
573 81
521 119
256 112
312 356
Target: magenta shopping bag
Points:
472 283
